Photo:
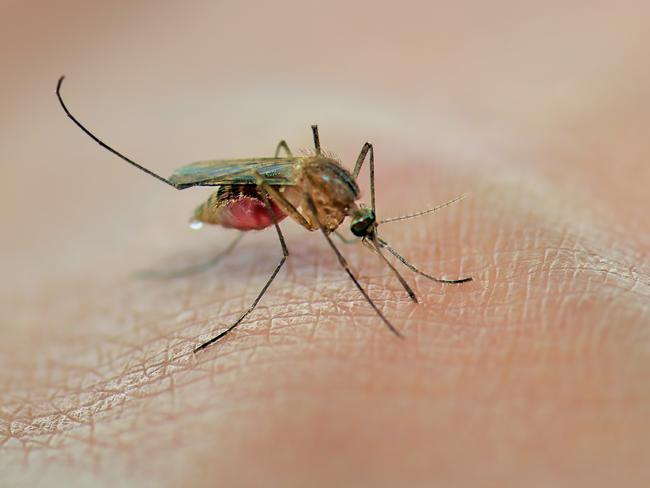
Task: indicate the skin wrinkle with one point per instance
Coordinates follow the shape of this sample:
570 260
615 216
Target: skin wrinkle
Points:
158 364
127 383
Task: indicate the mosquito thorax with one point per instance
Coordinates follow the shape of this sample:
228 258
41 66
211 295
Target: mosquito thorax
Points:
331 189
363 222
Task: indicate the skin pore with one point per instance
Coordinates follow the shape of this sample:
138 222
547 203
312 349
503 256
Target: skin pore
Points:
536 373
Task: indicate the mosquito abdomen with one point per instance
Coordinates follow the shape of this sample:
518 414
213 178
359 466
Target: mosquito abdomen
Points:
237 207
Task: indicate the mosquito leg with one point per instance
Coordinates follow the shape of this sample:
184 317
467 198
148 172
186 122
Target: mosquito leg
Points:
106 146
383 243
282 145
280 199
285 254
367 148
346 267
314 129
375 247
190 270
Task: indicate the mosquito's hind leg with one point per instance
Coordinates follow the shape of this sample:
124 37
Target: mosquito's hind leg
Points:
162 274
282 145
106 146
285 254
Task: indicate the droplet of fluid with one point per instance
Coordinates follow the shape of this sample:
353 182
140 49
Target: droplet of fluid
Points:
196 224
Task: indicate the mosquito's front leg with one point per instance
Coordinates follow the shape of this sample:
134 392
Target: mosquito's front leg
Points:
381 242
346 267
367 148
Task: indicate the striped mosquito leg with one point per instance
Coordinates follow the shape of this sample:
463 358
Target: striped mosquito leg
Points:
285 254
346 267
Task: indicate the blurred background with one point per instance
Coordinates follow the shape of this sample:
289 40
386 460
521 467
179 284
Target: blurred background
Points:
547 99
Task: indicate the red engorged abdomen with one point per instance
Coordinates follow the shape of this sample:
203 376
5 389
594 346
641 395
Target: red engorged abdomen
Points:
249 213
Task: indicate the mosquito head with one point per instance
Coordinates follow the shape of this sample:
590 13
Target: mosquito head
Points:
363 222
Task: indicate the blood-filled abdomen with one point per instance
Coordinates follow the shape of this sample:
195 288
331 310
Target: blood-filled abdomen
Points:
238 207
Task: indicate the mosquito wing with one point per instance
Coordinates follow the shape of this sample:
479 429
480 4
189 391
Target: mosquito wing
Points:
277 171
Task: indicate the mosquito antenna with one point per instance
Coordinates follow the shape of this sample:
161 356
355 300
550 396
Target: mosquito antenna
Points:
375 247
346 267
424 212
383 243
314 129
103 144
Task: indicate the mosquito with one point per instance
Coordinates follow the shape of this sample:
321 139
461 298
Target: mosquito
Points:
315 190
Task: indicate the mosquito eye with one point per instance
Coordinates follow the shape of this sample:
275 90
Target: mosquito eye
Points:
360 227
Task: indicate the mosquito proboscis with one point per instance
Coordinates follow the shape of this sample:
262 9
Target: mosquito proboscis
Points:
257 193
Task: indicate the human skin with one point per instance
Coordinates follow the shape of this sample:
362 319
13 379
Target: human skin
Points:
536 373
